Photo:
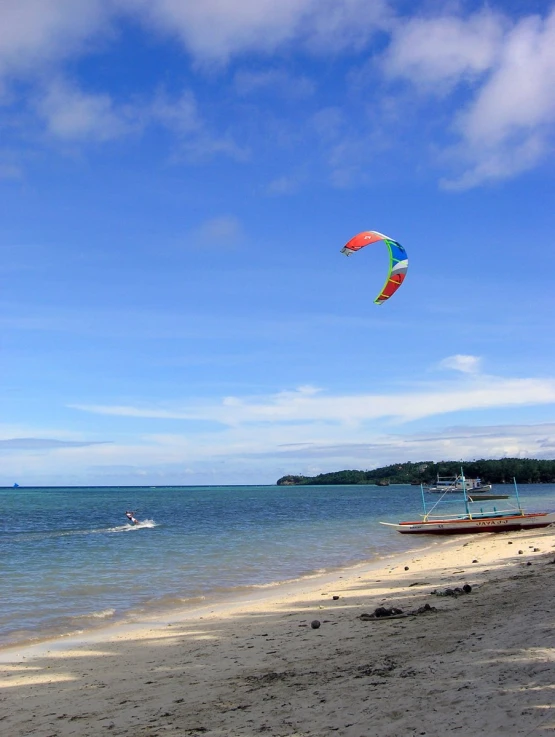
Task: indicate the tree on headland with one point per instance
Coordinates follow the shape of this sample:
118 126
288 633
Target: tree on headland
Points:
498 471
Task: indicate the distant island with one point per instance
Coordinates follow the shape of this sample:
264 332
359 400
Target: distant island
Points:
500 471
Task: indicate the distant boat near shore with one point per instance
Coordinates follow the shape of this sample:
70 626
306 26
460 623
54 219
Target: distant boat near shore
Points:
455 484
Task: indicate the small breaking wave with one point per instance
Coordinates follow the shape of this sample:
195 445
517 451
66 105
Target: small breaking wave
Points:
145 524
104 614
47 534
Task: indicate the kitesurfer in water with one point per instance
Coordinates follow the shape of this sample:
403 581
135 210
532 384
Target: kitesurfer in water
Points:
132 519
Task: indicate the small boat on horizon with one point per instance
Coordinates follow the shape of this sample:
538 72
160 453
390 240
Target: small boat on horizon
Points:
468 521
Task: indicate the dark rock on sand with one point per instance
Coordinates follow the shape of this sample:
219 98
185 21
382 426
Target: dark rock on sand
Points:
423 609
457 591
394 613
382 612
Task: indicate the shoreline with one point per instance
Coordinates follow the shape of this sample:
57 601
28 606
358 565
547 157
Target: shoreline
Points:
168 606
480 664
200 606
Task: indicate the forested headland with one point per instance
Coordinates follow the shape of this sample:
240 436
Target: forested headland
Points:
500 471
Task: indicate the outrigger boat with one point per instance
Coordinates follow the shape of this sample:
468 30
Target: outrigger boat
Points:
494 520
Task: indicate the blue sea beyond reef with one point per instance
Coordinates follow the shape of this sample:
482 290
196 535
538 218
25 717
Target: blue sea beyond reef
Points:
70 561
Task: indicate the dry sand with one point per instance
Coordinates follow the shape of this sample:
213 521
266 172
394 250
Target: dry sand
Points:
481 664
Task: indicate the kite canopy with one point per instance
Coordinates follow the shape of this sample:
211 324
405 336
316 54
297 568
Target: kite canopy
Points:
398 261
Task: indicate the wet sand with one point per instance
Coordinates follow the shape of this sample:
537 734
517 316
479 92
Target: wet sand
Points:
478 663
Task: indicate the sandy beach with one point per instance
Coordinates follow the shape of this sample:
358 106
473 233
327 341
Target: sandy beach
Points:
476 663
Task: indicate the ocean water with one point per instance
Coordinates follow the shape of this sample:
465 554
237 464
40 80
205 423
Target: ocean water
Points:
70 561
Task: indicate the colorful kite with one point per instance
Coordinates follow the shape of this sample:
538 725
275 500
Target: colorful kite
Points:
398 261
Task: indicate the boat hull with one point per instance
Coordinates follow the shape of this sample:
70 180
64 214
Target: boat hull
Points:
499 523
486 497
457 489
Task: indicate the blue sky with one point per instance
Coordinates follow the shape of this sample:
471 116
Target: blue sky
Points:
176 182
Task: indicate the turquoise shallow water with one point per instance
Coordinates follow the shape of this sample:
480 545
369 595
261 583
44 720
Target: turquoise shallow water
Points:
69 560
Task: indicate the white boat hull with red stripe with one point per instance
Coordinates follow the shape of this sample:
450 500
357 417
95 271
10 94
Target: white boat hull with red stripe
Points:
475 523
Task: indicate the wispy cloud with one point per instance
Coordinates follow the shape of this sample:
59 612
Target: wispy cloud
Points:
311 406
275 81
466 364
10 170
195 140
222 232
285 185
263 457
71 114
45 443
347 144
451 443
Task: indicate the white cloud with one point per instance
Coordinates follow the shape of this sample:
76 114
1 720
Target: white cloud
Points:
508 122
504 69
35 33
262 457
38 32
347 25
519 93
510 125
214 30
485 392
466 364
445 49
451 443
72 114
